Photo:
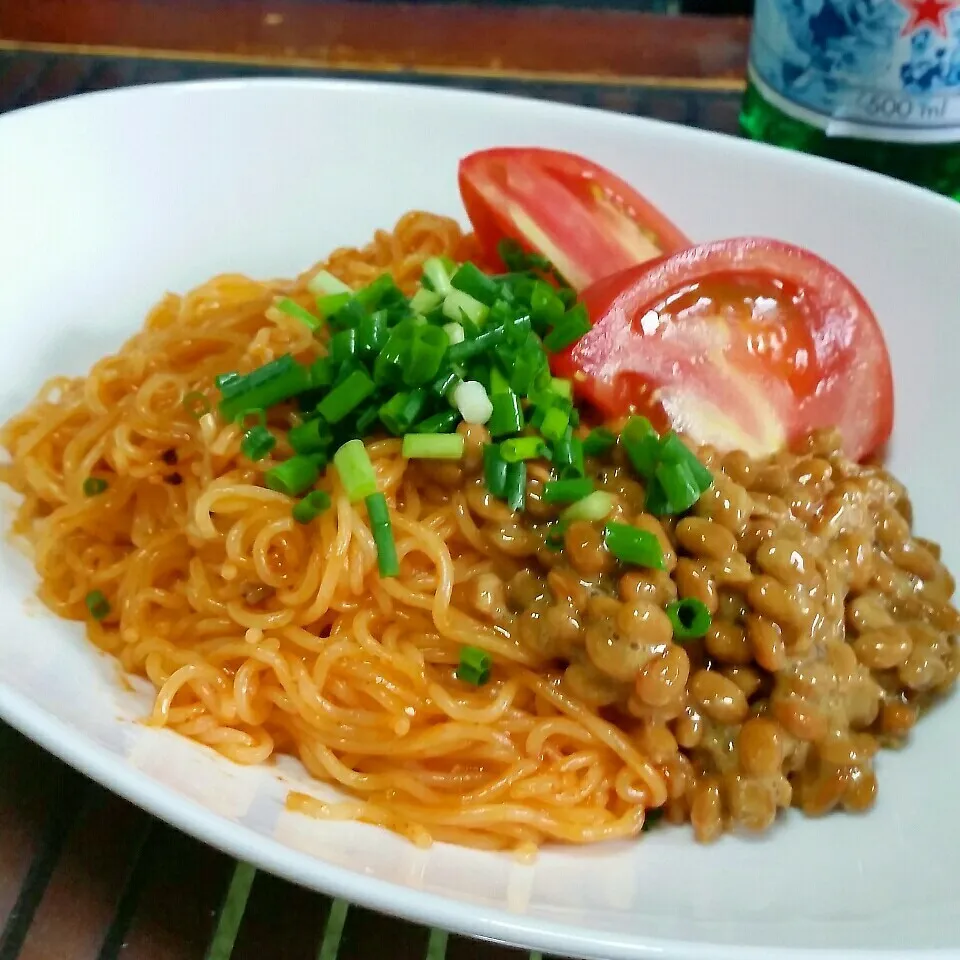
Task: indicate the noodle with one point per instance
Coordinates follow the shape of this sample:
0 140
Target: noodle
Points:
261 636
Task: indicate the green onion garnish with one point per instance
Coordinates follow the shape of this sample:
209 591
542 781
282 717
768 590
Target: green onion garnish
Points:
568 455
674 450
427 348
516 259
424 301
293 476
561 388
458 305
632 545
507 416
599 441
433 446
567 491
690 618
495 470
476 284
403 410
331 304
197 404
382 531
436 277
311 436
343 345
93 486
475 666
257 442
97 604
311 506
346 396
293 309
593 507
356 470
274 382
555 423
439 423
680 489
569 329
324 283
642 445
516 486
522 448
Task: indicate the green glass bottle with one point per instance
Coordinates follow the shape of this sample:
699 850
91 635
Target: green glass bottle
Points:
875 83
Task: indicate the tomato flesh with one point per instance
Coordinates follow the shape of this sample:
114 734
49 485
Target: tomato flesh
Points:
588 222
742 344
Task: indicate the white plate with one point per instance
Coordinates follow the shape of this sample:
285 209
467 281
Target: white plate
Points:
107 201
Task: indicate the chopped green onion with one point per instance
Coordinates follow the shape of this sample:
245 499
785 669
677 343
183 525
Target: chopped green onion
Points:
641 444
264 387
454 332
568 455
333 303
311 436
516 486
343 345
311 506
424 301
366 418
632 545
223 378
475 665
476 284
436 277
674 450
529 362
555 424
517 260
472 401
561 388
546 306
690 618
93 486
679 486
293 309
293 476
382 530
427 348
553 537
372 333
446 383
346 397
403 410
322 372
356 470
378 293
457 305
498 382
475 345
568 330
442 422
322 283
506 415
598 441
197 404
495 470
97 604
593 507
522 448
433 446
567 491
257 442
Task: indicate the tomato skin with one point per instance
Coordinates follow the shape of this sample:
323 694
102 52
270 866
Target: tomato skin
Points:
585 219
695 368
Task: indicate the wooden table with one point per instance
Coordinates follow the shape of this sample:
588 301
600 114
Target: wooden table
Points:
84 875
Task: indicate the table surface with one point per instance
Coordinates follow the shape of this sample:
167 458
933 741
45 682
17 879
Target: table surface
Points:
83 874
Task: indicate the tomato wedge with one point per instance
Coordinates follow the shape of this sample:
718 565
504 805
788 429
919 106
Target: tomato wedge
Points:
745 344
588 222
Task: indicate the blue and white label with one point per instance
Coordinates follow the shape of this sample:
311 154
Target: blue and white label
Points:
874 69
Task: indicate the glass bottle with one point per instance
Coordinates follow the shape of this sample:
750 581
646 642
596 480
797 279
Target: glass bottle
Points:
874 83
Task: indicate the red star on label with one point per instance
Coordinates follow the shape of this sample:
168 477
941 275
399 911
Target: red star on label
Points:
925 13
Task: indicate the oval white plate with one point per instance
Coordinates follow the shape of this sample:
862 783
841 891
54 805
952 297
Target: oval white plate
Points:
108 201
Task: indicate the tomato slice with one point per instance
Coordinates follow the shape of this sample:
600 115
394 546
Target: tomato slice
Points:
745 344
588 222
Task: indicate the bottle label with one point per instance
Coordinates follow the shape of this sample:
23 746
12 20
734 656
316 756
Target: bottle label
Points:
874 69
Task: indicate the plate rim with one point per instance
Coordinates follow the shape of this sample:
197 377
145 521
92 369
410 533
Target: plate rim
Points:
239 841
